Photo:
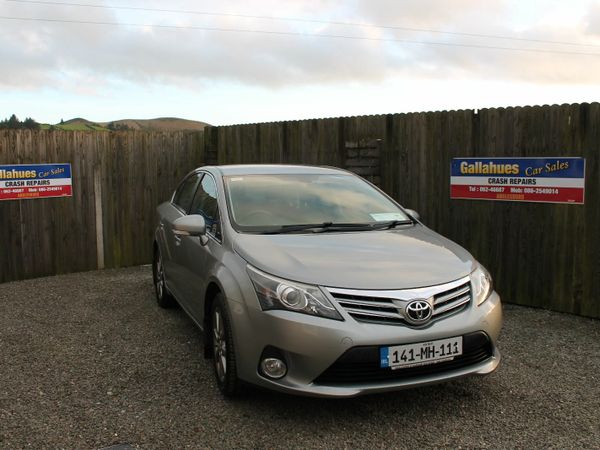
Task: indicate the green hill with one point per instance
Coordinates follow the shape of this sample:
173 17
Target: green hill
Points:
77 124
159 124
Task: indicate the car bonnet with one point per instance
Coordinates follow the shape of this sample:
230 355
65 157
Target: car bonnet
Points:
404 258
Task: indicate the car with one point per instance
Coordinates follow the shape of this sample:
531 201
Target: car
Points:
312 281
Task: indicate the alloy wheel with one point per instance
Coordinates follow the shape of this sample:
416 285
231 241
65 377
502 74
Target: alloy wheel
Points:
159 277
219 345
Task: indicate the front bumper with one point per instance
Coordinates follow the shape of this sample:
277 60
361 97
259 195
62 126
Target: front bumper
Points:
312 346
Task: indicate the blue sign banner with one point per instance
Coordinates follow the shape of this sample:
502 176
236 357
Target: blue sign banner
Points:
42 171
519 167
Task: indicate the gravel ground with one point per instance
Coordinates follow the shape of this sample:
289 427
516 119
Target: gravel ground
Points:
88 361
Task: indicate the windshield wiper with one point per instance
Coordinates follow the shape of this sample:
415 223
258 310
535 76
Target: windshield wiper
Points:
332 226
318 227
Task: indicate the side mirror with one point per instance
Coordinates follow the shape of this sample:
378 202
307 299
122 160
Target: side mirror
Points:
415 215
192 225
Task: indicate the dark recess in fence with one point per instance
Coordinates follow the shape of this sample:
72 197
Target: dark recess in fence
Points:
540 254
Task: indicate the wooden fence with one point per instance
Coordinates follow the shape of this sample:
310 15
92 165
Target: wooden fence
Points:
118 180
542 255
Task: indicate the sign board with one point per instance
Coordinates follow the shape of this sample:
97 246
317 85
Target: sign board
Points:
27 181
547 180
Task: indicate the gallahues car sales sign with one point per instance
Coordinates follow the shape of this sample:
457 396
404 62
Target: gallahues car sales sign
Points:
29 181
547 180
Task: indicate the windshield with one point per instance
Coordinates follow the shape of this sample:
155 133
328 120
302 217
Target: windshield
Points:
264 202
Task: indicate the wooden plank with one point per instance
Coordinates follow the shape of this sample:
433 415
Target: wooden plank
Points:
589 122
11 257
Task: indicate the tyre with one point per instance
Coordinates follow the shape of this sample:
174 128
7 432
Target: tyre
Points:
163 296
224 361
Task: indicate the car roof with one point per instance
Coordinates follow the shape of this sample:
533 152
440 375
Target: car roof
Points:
276 169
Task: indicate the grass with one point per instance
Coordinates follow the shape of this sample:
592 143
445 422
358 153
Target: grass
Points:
74 127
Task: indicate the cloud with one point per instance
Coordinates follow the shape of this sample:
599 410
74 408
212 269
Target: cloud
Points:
593 20
70 56
428 13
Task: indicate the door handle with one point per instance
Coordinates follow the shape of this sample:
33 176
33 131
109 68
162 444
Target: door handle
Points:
177 239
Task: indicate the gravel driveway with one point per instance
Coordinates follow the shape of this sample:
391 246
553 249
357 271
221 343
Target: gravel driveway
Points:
88 361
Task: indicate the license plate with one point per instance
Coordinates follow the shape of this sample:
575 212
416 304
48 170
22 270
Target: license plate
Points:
420 354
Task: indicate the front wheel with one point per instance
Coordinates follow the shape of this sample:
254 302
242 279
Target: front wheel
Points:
223 349
163 296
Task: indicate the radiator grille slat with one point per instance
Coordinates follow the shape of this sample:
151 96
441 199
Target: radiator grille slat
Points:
439 299
370 303
446 307
374 314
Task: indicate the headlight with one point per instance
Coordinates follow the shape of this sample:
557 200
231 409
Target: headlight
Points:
277 293
481 281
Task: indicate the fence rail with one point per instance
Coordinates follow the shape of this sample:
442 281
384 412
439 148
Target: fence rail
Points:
545 255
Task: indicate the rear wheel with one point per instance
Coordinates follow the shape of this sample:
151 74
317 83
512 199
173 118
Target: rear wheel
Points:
223 349
163 296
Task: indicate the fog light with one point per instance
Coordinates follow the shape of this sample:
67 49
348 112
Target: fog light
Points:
273 367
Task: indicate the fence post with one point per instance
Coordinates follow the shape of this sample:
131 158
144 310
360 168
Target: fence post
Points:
99 223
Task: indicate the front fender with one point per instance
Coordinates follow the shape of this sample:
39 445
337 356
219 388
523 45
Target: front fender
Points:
227 283
232 283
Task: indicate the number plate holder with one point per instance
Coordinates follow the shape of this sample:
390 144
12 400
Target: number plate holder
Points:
421 353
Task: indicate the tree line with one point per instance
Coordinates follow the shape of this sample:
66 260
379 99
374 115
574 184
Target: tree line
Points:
13 123
118 126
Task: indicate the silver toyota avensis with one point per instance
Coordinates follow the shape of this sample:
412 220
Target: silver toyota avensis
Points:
310 280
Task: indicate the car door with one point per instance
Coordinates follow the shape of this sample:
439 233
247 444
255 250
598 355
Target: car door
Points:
198 259
179 206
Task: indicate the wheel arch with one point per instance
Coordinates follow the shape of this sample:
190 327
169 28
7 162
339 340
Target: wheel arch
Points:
222 282
212 290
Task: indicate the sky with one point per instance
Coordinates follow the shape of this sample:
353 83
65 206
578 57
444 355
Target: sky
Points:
234 61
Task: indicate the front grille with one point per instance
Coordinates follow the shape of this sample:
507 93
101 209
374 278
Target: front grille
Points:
387 307
361 364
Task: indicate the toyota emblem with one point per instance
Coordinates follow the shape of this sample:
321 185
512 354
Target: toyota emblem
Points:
418 312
